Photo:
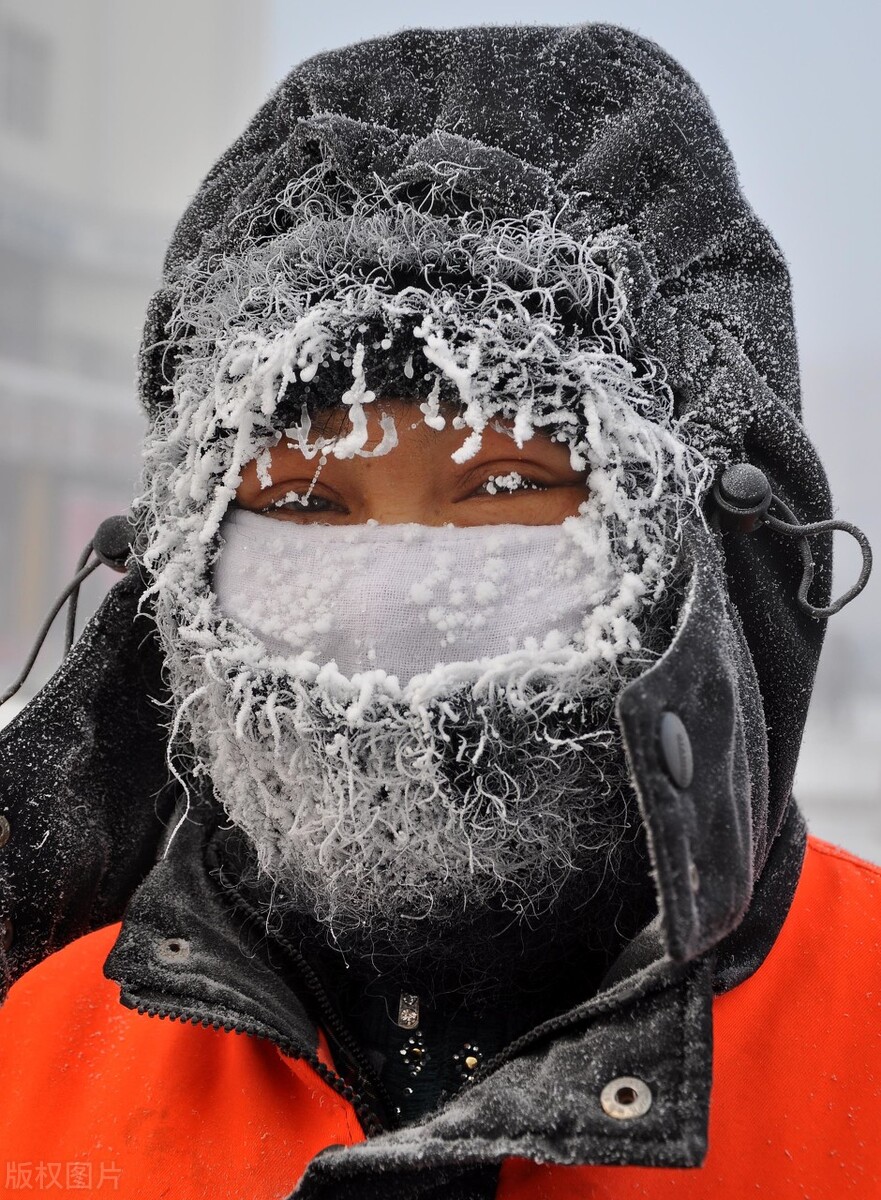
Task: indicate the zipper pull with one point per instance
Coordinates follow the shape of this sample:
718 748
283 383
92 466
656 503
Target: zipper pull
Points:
408 1011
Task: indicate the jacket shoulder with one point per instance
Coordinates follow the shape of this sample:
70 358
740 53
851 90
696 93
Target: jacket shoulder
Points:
154 1107
83 787
817 845
831 937
57 1002
74 970
838 875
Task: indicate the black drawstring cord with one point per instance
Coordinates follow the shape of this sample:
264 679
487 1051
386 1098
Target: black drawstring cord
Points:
72 590
791 528
70 627
112 546
744 498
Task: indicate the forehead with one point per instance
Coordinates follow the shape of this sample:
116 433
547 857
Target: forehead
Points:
359 426
411 426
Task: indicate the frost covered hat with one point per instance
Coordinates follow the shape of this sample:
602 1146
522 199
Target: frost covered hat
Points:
537 225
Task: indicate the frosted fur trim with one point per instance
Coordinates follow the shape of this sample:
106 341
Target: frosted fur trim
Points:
331 776
412 816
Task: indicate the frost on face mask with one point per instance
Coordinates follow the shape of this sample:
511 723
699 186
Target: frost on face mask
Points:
421 609
378 805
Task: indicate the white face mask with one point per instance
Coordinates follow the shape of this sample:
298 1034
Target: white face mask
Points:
405 599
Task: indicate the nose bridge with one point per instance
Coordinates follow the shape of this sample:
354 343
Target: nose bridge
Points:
401 505
403 486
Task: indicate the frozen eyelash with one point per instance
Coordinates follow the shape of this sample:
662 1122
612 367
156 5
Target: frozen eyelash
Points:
289 498
512 482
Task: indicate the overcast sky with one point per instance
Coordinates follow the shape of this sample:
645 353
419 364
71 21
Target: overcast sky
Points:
795 86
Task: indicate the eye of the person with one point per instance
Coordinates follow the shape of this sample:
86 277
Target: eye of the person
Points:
509 483
302 502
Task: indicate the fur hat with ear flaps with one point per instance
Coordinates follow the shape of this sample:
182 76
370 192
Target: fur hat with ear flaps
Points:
476 214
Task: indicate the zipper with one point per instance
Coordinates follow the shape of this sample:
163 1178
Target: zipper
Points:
343 1036
370 1121
376 1105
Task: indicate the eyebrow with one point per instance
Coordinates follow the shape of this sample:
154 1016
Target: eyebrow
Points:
331 421
328 420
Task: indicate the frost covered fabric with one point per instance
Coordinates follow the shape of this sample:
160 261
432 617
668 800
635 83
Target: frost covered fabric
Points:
590 124
379 804
406 599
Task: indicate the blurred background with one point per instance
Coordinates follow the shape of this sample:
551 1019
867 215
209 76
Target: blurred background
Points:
111 112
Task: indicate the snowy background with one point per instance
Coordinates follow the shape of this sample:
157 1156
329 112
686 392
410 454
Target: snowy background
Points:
111 113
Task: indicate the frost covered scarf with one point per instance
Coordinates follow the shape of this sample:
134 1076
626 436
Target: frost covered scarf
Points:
452 782
395 815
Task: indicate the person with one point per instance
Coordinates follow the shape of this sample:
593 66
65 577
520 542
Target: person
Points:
415 817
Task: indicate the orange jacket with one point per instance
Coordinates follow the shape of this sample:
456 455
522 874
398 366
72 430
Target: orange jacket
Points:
97 1096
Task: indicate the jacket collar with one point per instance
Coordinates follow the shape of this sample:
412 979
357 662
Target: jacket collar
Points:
182 951
724 888
694 732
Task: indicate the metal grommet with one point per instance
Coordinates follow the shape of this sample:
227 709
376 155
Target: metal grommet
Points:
676 750
7 934
626 1097
173 950
694 877
5 831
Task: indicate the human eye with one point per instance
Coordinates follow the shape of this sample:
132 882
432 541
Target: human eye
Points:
509 483
294 504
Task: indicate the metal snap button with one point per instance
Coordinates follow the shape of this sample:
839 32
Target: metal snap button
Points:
7 933
5 831
676 750
173 950
626 1097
